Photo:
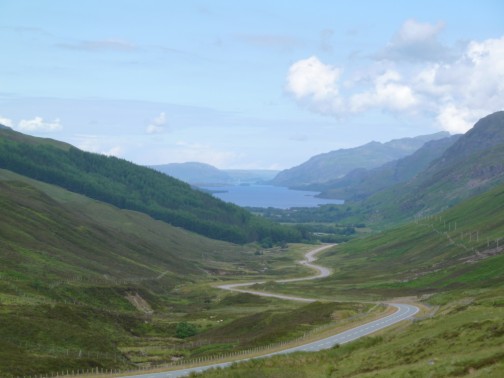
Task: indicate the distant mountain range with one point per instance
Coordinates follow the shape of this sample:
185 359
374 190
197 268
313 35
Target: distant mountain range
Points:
201 174
362 183
335 164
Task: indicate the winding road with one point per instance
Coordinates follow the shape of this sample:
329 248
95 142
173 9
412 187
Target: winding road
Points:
403 312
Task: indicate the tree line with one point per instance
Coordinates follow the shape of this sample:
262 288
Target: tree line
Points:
133 187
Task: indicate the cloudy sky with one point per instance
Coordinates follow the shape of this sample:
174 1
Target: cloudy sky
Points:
246 84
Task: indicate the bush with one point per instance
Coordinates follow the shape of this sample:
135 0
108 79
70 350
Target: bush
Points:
184 330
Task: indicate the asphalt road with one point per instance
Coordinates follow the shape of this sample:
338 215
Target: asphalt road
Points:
403 312
309 259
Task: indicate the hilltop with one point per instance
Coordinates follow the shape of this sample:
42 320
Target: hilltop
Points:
362 183
335 164
472 165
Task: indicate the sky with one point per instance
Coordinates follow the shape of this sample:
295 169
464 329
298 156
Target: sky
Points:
246 84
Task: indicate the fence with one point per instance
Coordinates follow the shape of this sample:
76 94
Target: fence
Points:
208 360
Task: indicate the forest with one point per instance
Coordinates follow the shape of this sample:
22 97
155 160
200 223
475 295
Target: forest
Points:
133 187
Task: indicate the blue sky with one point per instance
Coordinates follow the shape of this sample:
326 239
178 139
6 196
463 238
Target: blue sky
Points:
246 84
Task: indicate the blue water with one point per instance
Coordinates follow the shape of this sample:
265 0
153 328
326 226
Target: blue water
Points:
269 196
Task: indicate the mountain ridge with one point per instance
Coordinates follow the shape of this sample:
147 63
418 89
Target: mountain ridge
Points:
472 165
335 164
362 183
129 186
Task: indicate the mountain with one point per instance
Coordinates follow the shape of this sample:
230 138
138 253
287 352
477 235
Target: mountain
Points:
362 183
74 270
3 127
472 165
129 186
194 173
335 164
200 174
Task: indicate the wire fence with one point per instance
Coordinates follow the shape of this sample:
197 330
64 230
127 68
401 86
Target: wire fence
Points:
203 360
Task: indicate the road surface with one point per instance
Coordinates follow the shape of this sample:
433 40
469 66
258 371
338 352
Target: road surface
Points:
309 259
403 312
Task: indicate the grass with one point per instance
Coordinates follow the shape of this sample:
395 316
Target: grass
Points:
453 250
464 337
68 265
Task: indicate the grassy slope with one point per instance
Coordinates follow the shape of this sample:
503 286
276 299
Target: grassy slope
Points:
464 338
362 183
456 249
68 264
471 166
461 277
129 186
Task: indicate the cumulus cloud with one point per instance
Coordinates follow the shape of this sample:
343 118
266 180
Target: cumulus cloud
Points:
315 84
388 93
453 93
38 124
157 125
6 121
99 144
114 151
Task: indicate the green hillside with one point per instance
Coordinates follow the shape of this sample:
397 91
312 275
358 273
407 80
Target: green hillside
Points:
129 186
335 164
362 183
74 270
461 248
452 263
472 165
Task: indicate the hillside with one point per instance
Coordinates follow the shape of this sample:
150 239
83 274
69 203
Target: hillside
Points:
129 186
361 183
74 270
472 165
335 164
451 263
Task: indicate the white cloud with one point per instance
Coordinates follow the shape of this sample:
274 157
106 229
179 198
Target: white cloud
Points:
157 125
114 151
453 93
455 119
388 93
315 84
99 145
38 124
472 86
6 121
